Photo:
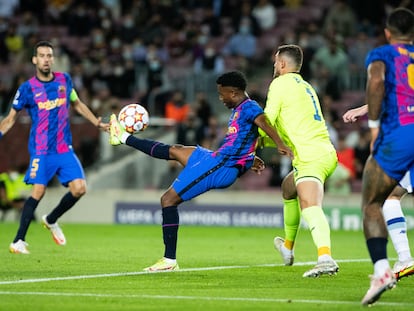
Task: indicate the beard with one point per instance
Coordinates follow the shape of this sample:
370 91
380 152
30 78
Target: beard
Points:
45 72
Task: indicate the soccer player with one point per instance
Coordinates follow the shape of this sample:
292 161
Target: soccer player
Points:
393 214
390 98
294 110
47 98
205 169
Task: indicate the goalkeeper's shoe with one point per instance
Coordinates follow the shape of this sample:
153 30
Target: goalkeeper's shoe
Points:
55 230
403 268
20 247
163 264
329 267
287 255
115 131
378 286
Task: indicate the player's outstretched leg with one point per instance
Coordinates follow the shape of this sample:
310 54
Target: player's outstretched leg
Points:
153 148
115 131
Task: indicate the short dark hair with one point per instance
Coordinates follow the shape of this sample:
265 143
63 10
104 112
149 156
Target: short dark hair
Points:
233 78
293 51
401 22
42 43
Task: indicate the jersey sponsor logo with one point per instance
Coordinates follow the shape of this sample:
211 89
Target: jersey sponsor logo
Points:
51 104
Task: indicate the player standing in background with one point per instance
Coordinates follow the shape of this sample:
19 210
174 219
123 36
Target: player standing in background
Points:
393 214
390 100
47 98
294 110
205 169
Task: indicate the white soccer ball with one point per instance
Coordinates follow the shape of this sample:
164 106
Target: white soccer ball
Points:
133 118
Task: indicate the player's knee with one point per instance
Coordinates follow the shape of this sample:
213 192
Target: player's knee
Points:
288 189
78 189
169 199
77 193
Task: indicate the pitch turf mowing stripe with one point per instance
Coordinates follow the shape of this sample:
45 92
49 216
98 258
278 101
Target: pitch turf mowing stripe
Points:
107 275
241 299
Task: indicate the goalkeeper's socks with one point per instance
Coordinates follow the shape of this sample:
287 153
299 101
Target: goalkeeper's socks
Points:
170 224
27 216
153 148
319 228
291 218
64 205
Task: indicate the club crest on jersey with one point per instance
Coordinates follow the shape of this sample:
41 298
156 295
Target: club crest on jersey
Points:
232 130
61 89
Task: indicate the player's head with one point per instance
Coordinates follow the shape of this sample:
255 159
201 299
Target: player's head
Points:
288 58
231 87
43 58
400 25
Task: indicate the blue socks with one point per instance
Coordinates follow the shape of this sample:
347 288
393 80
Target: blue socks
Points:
153 148
26 218
377 248
170 224
64 205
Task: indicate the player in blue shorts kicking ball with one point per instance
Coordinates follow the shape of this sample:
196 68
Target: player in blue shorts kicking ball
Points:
206 169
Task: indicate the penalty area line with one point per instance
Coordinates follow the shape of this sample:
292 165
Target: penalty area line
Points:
118 274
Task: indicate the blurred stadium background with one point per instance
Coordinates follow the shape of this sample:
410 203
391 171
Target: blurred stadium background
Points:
126 51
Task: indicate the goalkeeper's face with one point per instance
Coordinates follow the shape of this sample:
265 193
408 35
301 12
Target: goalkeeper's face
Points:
277 66
43 60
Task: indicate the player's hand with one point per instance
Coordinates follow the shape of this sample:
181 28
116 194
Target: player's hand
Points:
353 114
285 150
103 126
258 165
349 116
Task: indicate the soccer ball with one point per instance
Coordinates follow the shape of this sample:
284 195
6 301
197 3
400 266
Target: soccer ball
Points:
133 118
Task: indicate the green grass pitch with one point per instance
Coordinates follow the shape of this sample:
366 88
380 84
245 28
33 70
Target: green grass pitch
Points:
221 269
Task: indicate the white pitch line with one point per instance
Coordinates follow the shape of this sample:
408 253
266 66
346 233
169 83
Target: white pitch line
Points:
108 275
277 300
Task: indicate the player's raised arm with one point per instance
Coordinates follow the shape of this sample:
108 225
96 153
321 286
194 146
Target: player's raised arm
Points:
263 122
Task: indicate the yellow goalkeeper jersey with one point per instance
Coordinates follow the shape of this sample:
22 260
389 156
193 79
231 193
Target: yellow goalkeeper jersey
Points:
294 110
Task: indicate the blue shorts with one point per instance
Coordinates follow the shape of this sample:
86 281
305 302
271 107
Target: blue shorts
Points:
66 166
202 173
394 152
